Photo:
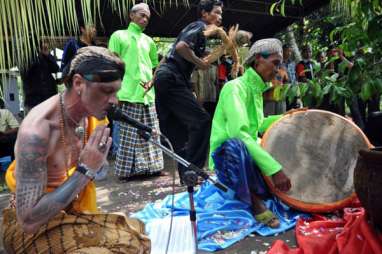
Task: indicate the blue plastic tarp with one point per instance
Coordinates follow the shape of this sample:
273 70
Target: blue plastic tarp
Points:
222 220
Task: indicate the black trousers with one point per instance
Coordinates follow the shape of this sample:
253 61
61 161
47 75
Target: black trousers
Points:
181 118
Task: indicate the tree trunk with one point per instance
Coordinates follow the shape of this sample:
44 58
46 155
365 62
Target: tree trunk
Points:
292 41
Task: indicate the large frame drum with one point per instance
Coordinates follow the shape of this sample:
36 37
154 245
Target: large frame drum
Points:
318 151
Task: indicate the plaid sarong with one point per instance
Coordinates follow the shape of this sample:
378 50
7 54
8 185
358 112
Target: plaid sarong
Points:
137 156
77 233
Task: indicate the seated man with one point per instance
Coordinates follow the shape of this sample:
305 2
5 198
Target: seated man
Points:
58 151
8 131
238 119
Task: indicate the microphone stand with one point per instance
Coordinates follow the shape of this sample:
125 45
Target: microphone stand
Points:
190 178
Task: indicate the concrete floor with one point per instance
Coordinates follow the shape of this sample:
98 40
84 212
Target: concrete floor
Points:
132 196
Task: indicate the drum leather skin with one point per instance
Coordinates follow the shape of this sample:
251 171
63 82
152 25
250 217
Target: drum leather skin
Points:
318 151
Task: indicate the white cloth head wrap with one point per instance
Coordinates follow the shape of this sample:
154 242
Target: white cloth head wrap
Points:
140 6
264 46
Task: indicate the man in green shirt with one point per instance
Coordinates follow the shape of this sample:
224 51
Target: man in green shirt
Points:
238 119
135 156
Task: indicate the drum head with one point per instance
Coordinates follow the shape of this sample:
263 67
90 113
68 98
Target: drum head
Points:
318 151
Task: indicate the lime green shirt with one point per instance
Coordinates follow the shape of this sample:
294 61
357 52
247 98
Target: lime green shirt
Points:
239 114
139 53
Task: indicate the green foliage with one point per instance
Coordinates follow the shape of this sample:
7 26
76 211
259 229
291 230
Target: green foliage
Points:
312 93
163 44
279 6
355 27
24 22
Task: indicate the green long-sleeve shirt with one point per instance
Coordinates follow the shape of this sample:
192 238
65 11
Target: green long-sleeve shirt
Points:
139 53
239 114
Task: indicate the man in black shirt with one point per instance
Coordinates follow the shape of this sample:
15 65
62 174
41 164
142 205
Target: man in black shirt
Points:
88 33
38 82
181 118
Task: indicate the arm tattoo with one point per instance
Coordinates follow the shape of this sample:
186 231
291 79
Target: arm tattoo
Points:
31 172
33 206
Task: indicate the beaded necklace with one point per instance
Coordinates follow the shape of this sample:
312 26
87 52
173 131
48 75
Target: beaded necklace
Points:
79 130
68 158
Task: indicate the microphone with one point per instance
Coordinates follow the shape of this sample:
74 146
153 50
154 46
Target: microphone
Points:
146 132
116 114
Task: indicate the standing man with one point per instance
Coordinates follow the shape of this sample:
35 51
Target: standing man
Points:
288 64
181 118
135 155
88 33
338 65
274 104
38 82
305 68
237 156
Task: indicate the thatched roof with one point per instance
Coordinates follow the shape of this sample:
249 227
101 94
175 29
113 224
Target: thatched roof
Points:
251 15
26 19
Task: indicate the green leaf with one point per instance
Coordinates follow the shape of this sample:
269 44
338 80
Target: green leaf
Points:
292 93
332 94
316 90
366 92
303 89
326 89
284 91
282 9
330 78
334 32
342 92
272 8
360 61
378 85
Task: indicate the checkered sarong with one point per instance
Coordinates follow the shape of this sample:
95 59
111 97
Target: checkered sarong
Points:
137 156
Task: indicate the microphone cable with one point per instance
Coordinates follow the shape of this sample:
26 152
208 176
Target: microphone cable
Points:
175 158
173 191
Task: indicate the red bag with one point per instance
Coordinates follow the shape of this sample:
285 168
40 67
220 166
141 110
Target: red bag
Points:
320 235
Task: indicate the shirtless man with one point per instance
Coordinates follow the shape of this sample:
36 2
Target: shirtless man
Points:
55 204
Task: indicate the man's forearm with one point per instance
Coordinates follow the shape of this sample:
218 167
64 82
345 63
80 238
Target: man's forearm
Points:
52 203
186 52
